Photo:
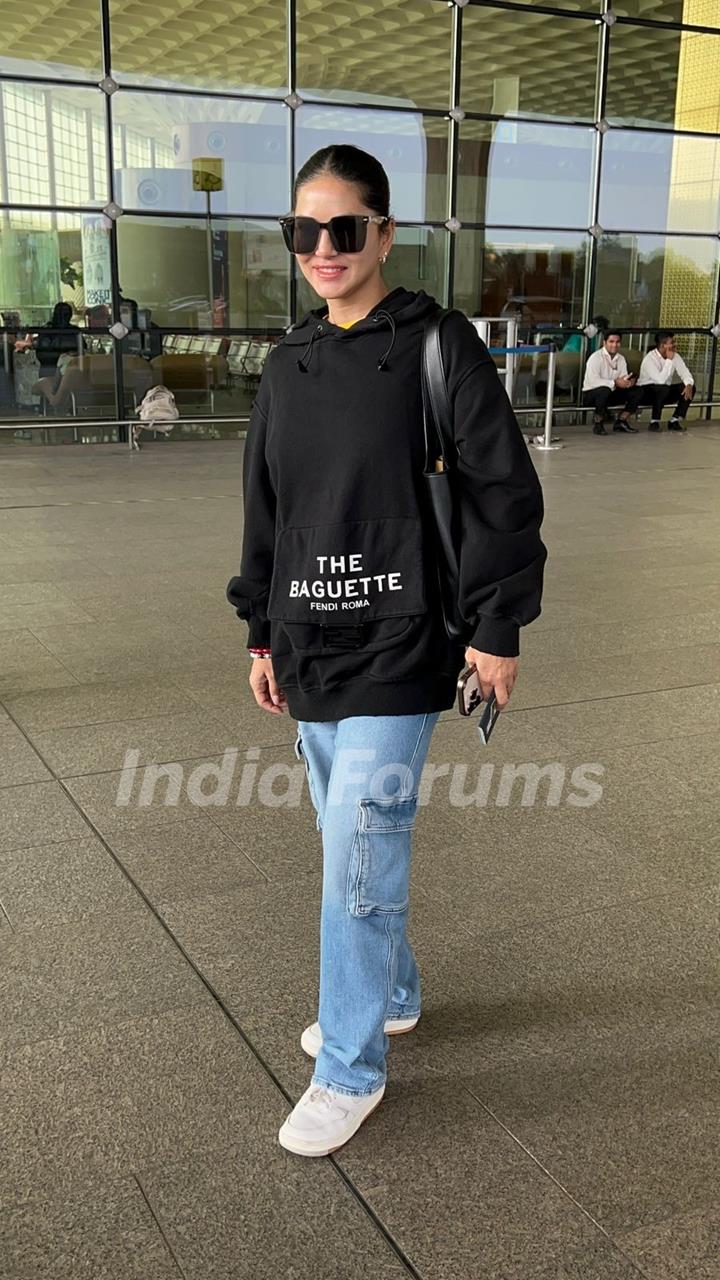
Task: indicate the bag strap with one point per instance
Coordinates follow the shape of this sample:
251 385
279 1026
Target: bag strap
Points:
437 409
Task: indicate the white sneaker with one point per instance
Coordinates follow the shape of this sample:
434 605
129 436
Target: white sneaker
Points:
311 1038
324 1120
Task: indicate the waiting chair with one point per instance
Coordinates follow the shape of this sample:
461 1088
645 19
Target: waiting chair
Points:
193 374
88 381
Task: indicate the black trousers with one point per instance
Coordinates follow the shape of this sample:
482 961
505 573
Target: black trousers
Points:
658 395
600 397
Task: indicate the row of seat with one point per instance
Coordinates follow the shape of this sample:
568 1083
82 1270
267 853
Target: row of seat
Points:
89 380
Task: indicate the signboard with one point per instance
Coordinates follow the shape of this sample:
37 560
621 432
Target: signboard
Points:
208 173
97 275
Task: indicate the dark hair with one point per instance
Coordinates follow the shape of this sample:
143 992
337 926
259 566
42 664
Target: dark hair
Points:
662 335
351 164
61 316
602 322
611 332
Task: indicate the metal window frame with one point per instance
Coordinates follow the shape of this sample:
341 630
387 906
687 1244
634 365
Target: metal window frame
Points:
454 114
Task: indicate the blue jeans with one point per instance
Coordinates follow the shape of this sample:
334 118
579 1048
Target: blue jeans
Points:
363 775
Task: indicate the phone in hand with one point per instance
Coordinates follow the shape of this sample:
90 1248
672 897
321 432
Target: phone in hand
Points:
470 697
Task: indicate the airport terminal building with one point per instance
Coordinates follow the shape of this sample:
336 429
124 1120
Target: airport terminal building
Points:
548 161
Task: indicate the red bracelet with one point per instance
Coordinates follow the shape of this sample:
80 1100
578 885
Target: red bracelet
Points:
260 653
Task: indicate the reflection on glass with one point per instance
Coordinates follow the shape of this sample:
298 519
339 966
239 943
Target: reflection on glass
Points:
657 280
199 274
658 182
665 78
413 150
181 154
703 13
234 47
534 64
61 42
575 6
518 172
535 278
54 144
43 258
390 51
417 260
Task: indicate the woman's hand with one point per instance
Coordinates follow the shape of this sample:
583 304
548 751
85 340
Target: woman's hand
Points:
264 686
498 674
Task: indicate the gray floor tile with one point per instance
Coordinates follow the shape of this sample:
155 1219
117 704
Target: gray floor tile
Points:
72 977
37 813
256 1212
104 1229
685 1247
62 883
644 1104
100 748
26 664
186 860
19 763
41 615
96 703
130 1094
458 1193
498 871
247 724
253 942
112 801
283 841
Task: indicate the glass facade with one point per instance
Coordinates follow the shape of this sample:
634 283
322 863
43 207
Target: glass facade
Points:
548 159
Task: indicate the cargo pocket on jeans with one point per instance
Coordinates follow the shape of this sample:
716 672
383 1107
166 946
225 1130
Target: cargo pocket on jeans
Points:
379 871
301 756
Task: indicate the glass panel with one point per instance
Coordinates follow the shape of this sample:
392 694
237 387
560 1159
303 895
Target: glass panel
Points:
413 150
418 260
537 174
576 6
657 280
54 144
343 52
537 278
235 152
237 46
209 374
657 182
167 264
703 13
662 77
64 41
44 260
533 65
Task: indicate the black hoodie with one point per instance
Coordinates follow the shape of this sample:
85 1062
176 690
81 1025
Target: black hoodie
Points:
337 573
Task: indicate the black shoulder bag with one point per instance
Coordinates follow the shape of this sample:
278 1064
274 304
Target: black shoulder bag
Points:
440 479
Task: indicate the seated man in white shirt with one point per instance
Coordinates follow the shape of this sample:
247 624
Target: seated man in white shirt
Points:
654 385
607 382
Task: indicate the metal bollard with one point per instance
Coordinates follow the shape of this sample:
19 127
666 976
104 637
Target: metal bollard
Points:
548 444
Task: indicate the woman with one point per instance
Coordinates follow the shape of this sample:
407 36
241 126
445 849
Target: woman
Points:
57 338
338 587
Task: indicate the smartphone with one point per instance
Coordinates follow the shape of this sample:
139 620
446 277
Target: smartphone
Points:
470 696
469 693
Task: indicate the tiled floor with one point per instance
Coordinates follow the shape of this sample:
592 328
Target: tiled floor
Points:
555 1115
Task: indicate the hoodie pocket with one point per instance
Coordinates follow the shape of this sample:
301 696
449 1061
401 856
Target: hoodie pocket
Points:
356 584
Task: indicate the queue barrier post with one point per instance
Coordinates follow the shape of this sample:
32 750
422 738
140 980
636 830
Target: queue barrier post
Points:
548 444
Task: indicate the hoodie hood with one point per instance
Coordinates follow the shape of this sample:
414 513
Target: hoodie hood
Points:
399 308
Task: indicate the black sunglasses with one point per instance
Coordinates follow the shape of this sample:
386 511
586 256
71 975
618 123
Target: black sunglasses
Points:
348 231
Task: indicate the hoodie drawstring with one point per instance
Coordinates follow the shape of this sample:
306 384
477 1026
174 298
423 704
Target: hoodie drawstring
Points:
382 365
303 362
307 354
